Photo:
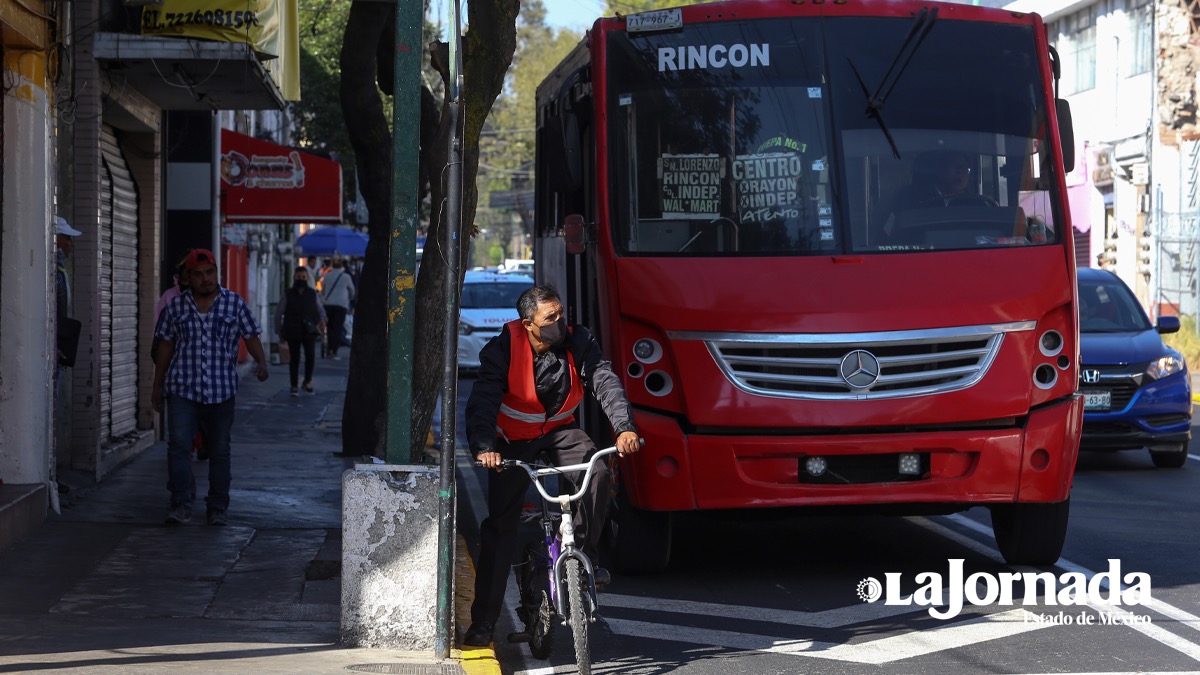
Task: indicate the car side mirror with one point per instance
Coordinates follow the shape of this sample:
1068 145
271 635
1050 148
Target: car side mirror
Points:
1167 324
573 229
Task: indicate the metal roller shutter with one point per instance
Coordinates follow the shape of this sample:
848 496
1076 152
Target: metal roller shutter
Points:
119 277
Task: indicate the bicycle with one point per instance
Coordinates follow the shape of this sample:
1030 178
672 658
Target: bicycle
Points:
555 563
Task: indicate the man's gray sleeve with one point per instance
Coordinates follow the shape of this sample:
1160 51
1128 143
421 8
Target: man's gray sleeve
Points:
598 375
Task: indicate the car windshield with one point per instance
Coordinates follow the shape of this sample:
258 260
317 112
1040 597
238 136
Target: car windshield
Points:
1108 306
492 295
749 138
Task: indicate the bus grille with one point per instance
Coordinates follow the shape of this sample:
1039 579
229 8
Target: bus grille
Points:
857 366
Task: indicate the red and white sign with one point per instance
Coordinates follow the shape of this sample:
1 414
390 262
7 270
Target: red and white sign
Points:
262 182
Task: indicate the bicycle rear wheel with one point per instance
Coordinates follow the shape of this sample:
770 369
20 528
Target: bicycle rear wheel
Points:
577 616
534 582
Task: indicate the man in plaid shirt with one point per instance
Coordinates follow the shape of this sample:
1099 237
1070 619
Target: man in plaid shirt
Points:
195 370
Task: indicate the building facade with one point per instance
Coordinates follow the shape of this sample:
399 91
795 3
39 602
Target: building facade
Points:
97 110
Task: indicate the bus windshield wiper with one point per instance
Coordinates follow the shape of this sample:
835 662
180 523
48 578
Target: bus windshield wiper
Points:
916 35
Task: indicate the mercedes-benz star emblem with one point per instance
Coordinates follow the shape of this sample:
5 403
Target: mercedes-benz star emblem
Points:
860 369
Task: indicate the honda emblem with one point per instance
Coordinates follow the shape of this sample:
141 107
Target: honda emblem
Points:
1091 376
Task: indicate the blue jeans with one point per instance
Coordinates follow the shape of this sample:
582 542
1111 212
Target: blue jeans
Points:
184 417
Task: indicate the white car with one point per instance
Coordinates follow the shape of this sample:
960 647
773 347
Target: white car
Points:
489 300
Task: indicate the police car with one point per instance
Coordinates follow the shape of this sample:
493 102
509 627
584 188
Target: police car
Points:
489 300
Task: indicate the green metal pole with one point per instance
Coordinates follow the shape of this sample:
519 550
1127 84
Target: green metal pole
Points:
453 223
402 271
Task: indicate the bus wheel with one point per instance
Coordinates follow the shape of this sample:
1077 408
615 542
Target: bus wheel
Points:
641 539
1031 534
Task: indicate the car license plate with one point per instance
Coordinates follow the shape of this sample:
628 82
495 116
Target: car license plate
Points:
1097 400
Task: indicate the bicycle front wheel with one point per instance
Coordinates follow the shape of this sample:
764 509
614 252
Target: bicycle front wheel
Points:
577 616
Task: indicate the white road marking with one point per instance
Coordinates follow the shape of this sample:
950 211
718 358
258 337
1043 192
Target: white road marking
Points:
875 652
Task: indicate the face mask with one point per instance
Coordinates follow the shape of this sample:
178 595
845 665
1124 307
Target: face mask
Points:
299 284
555 334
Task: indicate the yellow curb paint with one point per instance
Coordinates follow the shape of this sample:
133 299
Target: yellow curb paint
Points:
474 660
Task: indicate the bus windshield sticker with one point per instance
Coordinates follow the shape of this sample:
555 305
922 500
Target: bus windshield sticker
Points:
814 92
767 186
691 184
647 22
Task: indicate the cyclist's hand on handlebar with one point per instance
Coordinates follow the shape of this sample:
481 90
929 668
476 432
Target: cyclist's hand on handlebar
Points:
490 460
628 443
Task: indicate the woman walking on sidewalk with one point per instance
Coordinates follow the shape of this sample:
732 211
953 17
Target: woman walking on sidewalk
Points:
300 321
337 290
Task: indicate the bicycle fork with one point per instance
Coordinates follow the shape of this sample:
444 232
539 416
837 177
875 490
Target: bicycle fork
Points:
563 548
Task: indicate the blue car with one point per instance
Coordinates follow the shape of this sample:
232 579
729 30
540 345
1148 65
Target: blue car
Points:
1137 393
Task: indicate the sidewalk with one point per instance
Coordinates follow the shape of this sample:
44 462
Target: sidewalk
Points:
107 588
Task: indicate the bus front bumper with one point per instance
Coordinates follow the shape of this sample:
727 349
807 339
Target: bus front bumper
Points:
1030 463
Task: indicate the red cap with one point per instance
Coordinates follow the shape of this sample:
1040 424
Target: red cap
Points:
197 258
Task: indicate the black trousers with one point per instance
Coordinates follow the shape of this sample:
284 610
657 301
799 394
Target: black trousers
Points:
294 358
499 544
337 327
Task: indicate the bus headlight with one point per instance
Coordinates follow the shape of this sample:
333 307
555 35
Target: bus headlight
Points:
463 328
647 351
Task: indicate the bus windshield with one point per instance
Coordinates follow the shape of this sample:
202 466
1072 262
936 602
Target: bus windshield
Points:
756 137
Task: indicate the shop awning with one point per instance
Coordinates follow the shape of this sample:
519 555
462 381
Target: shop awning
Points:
181 74
262 182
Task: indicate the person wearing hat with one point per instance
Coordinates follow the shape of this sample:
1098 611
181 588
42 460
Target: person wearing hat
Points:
195 372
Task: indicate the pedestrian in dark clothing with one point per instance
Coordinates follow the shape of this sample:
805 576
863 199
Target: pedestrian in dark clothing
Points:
195 371
300 321
532 377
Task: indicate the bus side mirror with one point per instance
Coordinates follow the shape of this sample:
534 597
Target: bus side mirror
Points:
1066 133
573 229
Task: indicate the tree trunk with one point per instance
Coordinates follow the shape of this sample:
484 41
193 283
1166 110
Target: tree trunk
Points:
487 53
364 416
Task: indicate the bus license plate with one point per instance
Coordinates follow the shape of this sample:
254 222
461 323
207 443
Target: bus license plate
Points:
661 19
1097 400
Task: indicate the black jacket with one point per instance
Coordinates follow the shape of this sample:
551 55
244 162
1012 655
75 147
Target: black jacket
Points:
549 372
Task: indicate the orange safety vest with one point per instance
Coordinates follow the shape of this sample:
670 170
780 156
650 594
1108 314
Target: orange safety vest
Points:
522 416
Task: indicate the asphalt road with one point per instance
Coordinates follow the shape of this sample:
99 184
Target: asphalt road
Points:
778 592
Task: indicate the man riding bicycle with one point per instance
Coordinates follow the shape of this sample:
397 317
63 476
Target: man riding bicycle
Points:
532 377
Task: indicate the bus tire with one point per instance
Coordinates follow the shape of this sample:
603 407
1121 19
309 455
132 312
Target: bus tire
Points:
641 539
1031 534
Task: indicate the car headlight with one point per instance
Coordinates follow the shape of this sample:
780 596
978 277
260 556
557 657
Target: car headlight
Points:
1167 365
464 329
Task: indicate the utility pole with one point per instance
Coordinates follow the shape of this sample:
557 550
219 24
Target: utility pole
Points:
453 234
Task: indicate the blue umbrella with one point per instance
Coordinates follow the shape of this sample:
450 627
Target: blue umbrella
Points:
330 240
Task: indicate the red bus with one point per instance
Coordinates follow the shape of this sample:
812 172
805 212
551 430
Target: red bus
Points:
827 245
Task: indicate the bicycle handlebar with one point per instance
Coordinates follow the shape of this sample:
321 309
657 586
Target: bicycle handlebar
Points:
537 471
